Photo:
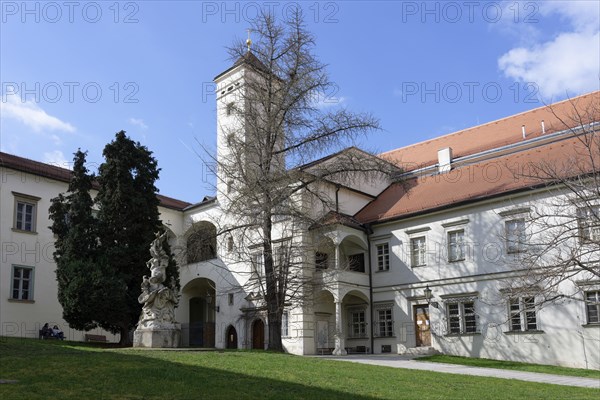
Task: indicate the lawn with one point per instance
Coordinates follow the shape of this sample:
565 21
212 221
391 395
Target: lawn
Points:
68 370
517 366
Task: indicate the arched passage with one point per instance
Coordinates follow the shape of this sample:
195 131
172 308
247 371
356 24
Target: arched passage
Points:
201 294
201 242
231 339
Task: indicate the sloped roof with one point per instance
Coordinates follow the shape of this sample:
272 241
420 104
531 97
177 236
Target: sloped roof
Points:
247 58
470 183
64 175
335 218
494 134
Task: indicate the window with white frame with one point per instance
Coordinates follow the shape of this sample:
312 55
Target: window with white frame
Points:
383 257
25 213
522 314
258 265
418 251
456 245
384 322
516 238
22 283
357 325
592 305
588 221
461 316
285 318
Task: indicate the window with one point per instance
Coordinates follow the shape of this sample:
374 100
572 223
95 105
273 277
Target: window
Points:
383 257
522 314
258 266
230 244
285 317
384 324
22 283
321 260
418 251
230 108
515 235
461 317
456 245
592 304
230 299
229 186
356 262
202 243
358 326
588 221
25 212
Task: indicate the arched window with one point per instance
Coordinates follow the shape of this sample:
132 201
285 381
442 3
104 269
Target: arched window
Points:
202 242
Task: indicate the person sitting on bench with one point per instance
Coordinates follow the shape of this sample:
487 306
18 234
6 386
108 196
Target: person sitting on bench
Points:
57 333
46 331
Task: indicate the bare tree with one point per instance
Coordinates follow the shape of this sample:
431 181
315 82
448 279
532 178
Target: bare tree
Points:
559 238
274 194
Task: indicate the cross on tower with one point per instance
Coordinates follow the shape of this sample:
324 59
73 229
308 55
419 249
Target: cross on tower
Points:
249 41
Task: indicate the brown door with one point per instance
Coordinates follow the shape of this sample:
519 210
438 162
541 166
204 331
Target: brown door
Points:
422 327
232 341
258 335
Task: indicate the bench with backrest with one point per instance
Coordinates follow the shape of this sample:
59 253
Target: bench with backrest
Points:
95 338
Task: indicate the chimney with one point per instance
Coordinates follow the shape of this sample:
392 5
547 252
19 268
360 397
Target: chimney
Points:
445 160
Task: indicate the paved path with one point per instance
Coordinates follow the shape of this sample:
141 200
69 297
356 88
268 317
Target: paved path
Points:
396 361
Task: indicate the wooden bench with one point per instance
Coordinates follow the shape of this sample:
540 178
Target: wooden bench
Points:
358 350
325 351
41 335
95 338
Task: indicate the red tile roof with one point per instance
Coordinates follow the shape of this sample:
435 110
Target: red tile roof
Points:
494 134
64 175
474 182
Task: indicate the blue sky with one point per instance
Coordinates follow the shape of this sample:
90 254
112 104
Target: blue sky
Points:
75 73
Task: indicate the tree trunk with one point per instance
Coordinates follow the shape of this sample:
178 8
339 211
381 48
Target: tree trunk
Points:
275 343
124 340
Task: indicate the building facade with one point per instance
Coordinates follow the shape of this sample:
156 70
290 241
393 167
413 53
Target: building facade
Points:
424 263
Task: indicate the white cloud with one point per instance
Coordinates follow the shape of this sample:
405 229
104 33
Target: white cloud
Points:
569 63
30 114
57 158
138 122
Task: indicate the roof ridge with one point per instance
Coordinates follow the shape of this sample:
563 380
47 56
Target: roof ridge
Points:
489 122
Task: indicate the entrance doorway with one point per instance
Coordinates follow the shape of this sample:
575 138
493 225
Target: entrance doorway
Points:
258 334
232 339
422 325
202 325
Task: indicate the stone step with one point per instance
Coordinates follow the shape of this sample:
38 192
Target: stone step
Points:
421 351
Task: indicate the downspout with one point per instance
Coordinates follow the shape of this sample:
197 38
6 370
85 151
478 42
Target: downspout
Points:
369 231
337 199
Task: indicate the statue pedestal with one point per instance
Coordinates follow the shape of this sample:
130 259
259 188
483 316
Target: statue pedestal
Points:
156 337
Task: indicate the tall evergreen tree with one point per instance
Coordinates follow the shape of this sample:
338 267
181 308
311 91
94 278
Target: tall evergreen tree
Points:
128 219
76 249
101 261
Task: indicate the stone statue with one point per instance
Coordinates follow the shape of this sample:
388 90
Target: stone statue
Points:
157 326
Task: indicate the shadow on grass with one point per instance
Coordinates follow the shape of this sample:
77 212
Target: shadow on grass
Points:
64 370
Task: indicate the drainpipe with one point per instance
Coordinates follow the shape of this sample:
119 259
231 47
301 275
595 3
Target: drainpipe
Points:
337 199
369 231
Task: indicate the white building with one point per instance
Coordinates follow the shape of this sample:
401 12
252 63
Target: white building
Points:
449 227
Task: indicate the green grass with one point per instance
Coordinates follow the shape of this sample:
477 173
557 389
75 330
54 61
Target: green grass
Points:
518 366
68 370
